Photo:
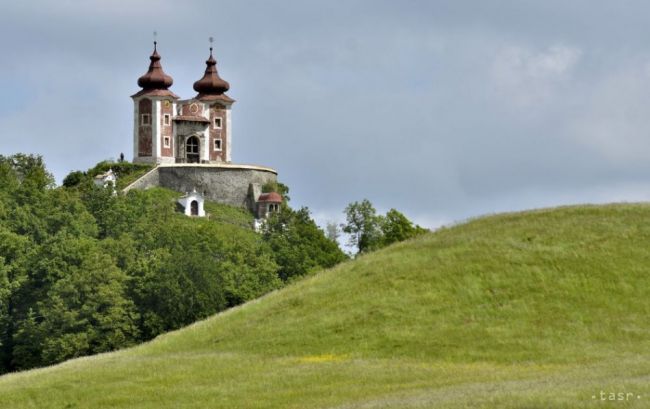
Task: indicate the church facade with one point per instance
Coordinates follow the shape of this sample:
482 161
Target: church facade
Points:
167 129
190 140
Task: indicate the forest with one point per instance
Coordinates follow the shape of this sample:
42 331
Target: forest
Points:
83 270
86 269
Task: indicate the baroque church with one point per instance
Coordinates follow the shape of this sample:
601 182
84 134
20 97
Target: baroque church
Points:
168 129
190 142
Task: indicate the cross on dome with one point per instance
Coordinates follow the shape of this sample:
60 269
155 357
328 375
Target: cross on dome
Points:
211 83
155 77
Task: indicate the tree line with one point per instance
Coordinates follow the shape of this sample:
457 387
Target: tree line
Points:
369 231
84 270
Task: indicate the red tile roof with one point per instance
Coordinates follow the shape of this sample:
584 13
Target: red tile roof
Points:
221 97
155 93
271 197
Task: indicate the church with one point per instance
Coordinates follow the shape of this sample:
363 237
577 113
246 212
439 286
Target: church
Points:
189 141
168 129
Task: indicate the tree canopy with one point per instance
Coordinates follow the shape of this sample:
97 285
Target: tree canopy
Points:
83 270
370 231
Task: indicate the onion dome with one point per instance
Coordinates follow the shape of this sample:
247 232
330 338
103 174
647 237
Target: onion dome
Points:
155 78
211 83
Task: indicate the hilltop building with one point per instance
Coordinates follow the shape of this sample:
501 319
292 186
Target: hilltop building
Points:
167 129
190 140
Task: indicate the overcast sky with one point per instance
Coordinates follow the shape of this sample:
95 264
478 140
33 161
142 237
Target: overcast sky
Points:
442 109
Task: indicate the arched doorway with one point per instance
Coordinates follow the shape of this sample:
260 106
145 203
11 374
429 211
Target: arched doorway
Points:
192 150
194 208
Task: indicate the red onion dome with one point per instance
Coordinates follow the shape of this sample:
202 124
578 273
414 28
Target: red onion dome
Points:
155 77
211 83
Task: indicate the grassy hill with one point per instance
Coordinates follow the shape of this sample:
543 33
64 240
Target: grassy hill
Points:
534 310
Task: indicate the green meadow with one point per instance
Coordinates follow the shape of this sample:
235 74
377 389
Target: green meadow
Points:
543 309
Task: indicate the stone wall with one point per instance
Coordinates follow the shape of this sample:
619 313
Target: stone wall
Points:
235 185
149 179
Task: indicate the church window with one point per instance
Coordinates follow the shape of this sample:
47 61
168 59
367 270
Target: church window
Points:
167 119
166 141
217 123
217 144
192 150
145 119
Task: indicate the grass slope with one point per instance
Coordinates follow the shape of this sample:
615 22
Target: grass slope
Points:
542 309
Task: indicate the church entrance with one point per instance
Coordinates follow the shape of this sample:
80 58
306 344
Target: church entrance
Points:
192 150
194 208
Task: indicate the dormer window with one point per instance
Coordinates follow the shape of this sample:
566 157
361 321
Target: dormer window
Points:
145 119
217 123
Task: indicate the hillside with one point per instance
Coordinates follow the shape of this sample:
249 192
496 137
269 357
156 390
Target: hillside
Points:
541 309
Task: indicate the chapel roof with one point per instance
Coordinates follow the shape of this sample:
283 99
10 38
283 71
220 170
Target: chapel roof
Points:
271 197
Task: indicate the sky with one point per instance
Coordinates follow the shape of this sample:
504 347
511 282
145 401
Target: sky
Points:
444 110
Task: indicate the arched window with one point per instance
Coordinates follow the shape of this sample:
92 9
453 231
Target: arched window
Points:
192 149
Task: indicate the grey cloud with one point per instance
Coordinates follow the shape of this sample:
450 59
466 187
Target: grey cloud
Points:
443 109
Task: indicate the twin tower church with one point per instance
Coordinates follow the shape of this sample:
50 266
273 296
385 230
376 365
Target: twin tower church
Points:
190 143
168 129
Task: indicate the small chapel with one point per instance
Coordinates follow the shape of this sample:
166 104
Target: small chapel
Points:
189 142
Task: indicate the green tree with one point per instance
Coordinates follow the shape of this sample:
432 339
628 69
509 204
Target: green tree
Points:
75 179
363 225
299 245
370 231
79 304
186 269
29 170
13 250
5 296
31 212
396 227
85 271
26 352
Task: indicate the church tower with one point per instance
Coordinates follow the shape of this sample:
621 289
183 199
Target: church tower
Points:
203 127
153 109
211 91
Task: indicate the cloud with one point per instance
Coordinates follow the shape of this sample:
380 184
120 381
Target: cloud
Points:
528 77
443 110
614 122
